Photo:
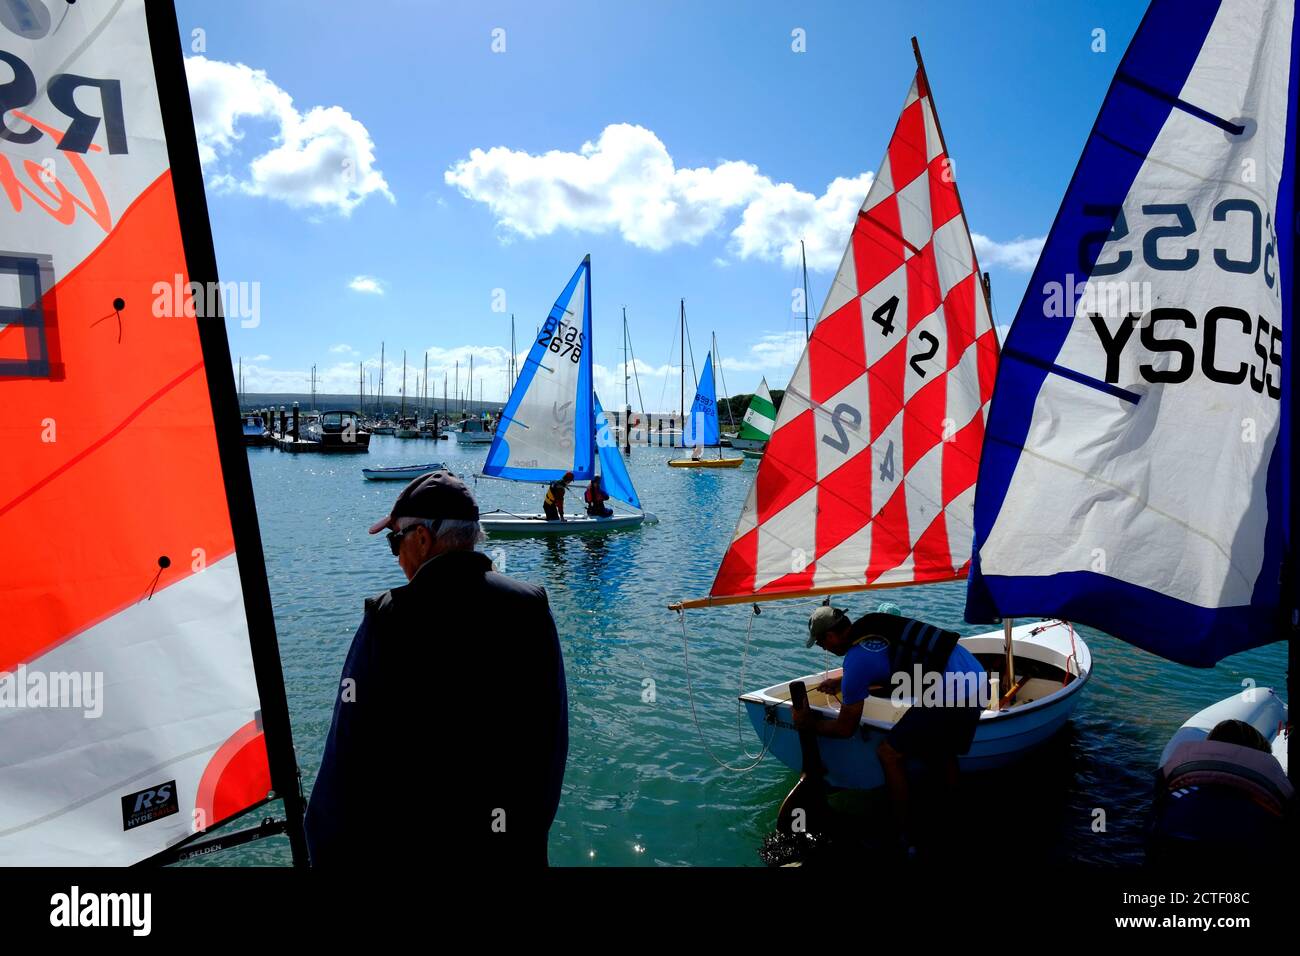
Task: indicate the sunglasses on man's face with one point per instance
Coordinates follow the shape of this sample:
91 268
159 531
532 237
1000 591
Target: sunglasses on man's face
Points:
395 537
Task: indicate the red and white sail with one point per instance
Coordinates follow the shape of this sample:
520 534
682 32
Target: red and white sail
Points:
141 700
869 476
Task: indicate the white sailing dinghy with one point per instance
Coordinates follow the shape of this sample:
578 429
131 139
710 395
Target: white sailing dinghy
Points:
1139 473
553 423
756 426
143 703
868 479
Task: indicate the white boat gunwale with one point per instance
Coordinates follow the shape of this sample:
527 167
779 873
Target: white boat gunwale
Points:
398 472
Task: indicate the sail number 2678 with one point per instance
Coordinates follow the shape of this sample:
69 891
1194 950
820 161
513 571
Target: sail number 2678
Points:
561 338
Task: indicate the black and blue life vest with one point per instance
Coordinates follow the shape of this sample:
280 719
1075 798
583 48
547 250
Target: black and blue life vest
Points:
911 642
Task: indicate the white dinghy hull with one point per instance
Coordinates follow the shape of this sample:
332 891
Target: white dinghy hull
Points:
403 473
1003 737
508 524
1260 707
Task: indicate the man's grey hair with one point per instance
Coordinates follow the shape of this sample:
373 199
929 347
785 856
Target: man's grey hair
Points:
455 534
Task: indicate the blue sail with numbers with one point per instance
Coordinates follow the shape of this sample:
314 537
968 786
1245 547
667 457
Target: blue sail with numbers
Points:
1136 471
548 426
701 425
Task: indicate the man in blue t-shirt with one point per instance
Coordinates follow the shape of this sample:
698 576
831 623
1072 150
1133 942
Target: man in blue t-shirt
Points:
888 651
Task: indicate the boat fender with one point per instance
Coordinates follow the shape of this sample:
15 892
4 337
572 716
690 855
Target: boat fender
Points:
1205 763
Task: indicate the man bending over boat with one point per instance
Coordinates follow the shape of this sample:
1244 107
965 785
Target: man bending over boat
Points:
410 698
886 650
553 503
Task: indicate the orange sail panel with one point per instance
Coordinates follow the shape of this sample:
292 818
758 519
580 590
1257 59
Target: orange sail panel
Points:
127 671
869 476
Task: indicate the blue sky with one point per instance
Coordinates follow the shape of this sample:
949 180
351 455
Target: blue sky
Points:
718 147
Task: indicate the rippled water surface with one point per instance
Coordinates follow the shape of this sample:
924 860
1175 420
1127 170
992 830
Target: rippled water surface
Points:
641 788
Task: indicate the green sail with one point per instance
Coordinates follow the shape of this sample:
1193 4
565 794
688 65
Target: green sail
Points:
760 416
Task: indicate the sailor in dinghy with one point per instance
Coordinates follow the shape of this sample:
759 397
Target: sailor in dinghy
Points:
911 658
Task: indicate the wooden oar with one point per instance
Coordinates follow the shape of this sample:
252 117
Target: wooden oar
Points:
809 793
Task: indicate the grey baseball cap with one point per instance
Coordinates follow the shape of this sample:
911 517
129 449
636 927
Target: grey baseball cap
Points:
825 618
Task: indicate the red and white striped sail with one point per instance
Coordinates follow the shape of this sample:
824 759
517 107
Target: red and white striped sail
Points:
869 476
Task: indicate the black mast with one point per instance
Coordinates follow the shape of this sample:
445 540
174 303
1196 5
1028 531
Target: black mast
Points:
807 328
1290 560
682 399
201 260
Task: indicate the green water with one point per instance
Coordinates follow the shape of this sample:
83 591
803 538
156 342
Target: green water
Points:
641 788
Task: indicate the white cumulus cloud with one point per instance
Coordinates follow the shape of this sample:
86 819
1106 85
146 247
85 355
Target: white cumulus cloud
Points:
626 182
779 216
367 284
323 158
1019 255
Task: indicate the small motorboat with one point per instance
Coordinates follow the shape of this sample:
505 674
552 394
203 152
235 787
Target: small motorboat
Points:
705 462
407 428
401 472
1052 665
332 431
504 523
472 431
1222 792
255 433
383 427
341 430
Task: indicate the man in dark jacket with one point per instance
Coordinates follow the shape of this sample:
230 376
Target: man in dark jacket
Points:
400 759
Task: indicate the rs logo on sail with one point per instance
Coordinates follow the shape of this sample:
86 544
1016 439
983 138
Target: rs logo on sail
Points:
74 141
61 91
150 804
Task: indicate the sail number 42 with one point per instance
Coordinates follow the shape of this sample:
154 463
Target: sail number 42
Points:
884 317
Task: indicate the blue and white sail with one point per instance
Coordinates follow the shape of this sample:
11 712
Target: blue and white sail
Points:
701 426
548 426
1135 475
613 470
